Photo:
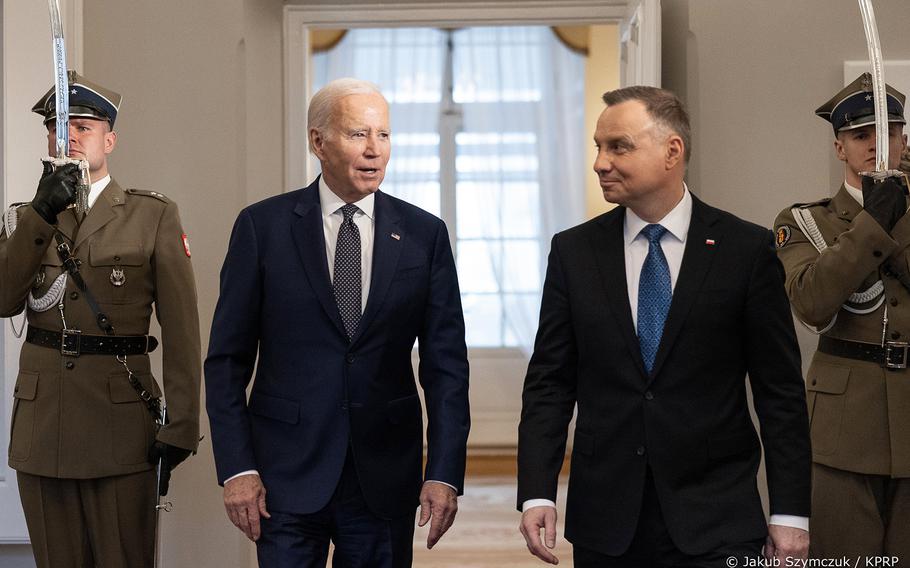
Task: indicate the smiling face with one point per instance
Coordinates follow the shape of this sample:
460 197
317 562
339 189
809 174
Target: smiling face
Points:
354 148
639 163
91 140
856 148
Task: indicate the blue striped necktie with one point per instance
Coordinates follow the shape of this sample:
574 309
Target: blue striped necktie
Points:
654 295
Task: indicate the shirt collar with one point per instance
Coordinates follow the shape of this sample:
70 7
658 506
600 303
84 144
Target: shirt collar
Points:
331 203
96 188
676 222
855 193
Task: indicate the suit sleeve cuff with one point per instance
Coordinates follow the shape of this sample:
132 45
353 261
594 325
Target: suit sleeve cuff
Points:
531 503
790 521
455 489
247 472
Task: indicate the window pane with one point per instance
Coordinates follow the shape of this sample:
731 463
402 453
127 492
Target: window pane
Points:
424 195
478 208
482 319
521 266
477 264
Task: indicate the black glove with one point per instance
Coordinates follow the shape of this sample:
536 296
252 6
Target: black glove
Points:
56 190
885 200
170 457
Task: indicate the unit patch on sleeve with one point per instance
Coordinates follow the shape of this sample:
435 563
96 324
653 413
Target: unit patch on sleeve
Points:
783 235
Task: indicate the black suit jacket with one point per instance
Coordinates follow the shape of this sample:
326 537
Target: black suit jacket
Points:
315 391
689 419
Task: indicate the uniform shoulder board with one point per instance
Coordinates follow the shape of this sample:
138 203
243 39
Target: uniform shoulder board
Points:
146 193
820 203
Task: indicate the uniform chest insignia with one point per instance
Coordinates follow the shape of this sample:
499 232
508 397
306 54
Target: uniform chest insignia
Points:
782 236
118 278
186 245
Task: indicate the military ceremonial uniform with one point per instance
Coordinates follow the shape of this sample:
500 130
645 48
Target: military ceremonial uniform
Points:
77 417
847 279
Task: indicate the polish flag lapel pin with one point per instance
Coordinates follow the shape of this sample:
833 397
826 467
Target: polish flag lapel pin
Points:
709 242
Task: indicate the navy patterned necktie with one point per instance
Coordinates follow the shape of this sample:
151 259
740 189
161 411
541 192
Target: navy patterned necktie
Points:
347 278
654 296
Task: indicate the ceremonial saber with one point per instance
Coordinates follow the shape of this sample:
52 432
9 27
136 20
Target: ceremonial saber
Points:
160 505
62 107
879 93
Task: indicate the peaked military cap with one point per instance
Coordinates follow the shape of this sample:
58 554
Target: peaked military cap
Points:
87 100
853 106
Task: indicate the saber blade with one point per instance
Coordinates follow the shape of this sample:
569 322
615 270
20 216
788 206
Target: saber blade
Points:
879 93
60 81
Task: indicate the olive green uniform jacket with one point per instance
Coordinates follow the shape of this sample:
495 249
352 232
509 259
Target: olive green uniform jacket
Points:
859 412
79 417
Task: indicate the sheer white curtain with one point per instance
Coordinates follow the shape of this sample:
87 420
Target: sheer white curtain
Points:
407 64
520 169
519 159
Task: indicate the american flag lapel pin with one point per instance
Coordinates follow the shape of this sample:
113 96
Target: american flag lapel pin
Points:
709 242
396 236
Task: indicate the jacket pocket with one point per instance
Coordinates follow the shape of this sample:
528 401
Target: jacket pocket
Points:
122 262
23 423
273 407
583 443
724 446
132 426
405 410
826 386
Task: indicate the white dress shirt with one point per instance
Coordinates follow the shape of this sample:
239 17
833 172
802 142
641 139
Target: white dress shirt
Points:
673 244
96 189
332 218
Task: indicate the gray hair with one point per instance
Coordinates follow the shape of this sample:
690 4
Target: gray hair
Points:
323 103
662 105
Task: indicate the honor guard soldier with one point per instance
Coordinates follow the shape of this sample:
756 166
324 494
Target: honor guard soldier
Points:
846 260
85 438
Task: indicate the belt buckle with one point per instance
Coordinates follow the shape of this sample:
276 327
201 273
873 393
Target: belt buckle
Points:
70 342
896 354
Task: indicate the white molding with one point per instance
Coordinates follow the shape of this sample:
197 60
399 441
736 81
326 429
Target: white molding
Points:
299 18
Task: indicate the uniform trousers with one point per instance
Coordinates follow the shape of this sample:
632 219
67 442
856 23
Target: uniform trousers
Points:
83 523
652 546
856 514
361 539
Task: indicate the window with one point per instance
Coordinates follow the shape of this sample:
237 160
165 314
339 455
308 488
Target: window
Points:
484 124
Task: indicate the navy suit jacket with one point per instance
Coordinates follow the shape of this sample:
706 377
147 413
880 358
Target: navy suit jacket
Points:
688 420
316 392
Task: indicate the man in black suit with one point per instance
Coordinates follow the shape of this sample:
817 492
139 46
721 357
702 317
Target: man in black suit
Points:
652 315
324 291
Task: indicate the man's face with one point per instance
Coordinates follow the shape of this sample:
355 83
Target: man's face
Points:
633 155
354 150
856 148
91 140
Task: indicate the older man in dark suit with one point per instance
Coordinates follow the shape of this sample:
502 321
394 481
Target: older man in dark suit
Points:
330 286
652 315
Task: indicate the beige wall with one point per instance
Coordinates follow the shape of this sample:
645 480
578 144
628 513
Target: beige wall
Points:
201 122
601 75
752 74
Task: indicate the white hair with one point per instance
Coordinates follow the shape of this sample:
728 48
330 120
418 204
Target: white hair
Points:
323 103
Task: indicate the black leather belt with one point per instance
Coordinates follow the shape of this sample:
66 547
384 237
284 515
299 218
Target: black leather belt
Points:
892 356
73 343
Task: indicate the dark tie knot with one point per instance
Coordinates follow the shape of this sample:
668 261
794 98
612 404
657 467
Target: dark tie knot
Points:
653 233
348 211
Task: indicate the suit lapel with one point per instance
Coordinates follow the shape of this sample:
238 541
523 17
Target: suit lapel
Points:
101 213
386 250
610 255
309 237
696 262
